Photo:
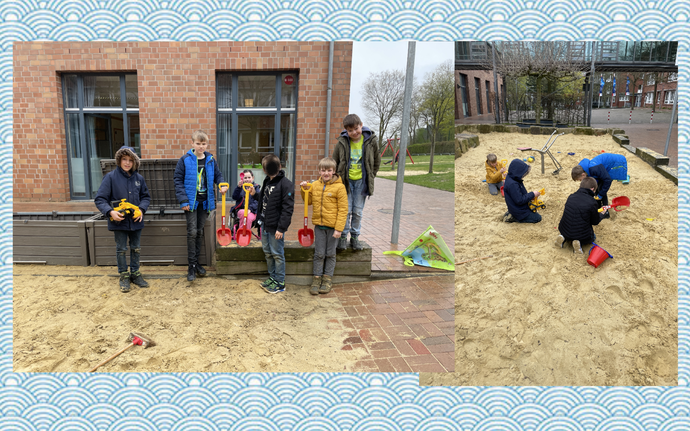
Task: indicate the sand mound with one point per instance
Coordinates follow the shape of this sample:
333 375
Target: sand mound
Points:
534 314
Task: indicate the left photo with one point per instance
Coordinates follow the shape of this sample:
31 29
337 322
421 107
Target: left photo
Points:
226 207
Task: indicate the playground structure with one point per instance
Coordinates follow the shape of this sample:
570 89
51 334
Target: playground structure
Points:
395 150
546 149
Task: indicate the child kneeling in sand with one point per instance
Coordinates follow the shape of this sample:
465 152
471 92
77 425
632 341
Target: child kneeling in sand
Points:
604 168
579 215
516 195
494 174
329 200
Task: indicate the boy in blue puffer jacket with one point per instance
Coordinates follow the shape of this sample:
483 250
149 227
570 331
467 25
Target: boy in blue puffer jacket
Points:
516 195
604 168
196 175
125 183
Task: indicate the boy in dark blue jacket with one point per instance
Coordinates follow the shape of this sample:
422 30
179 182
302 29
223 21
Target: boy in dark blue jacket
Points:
125 183
516 195
195 177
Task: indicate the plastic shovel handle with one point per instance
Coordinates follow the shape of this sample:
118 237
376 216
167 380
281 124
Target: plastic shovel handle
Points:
223 199
306 189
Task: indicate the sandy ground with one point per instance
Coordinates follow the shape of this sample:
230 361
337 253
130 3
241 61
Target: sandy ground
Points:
71 324
535 314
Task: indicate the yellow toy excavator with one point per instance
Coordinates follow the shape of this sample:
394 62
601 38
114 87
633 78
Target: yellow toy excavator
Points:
126 209
536 203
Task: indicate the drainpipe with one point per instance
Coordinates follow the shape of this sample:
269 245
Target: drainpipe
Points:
328 98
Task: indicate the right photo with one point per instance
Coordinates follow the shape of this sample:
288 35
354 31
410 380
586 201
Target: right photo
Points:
566 214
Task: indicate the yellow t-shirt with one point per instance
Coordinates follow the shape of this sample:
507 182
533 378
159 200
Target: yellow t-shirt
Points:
356 158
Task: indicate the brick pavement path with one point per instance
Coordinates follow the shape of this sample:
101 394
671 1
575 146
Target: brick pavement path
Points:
404 325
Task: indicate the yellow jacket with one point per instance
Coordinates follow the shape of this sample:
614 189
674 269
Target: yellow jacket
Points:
329 203
493 175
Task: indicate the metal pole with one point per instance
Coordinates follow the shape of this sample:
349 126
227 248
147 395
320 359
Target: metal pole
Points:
407 100
328 97
498 107
670 126
591 91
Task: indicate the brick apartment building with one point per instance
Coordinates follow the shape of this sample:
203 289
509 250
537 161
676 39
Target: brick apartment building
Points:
642 91
77 103
475 95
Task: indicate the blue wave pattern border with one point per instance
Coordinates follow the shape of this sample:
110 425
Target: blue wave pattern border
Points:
331 401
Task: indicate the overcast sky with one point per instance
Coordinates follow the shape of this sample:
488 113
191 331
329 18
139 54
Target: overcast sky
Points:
373 57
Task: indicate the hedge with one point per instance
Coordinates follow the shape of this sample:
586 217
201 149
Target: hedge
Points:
445 147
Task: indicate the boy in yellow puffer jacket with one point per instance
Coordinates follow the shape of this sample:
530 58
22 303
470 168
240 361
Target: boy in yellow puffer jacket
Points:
494 173
329 213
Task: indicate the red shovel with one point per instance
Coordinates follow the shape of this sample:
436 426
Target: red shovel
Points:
306 235
223 234
618 204
244 234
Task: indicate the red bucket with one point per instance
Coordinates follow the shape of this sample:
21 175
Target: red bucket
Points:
502 192
597 256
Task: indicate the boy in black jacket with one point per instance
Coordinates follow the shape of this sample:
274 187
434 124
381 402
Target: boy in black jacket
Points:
579 215
125 183
276 203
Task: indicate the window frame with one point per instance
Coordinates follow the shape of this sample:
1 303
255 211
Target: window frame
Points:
81 111
234 112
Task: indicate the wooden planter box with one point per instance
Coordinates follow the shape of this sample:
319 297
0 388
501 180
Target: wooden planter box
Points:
50 238
163 241
234 260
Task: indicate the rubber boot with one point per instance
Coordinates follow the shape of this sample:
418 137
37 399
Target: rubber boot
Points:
326 284
124 282
315 285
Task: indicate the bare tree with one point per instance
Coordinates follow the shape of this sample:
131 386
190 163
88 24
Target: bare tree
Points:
438 97
549 63
382 95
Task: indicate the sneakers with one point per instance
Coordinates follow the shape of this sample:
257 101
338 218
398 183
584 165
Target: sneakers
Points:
191 273
275 287
559 241
137 279
508 218
268 283
200 271
576 247
124 282
326 284
342 243
315 285
354 243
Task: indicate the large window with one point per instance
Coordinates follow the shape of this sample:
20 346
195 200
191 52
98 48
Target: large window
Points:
463 93
478 94
649 98
256 116
488 97
101 115
670 94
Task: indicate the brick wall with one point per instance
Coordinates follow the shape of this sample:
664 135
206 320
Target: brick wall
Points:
176 84
662 86
483 75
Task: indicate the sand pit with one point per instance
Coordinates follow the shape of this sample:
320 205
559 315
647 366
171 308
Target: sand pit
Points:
534 314
70 324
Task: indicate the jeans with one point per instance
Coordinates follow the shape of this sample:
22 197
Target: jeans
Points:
324 251
275 255
355 207
134 237
495 188
195 234
533 217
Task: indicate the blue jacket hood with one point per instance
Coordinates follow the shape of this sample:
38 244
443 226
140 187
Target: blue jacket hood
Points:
585 165
517 169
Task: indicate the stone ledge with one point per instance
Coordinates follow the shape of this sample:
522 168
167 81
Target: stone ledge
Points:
668 172
621 139
629 148
652 157
291 268
463 142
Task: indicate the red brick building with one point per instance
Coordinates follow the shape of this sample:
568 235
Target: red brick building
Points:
475 95
77 103
642 91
